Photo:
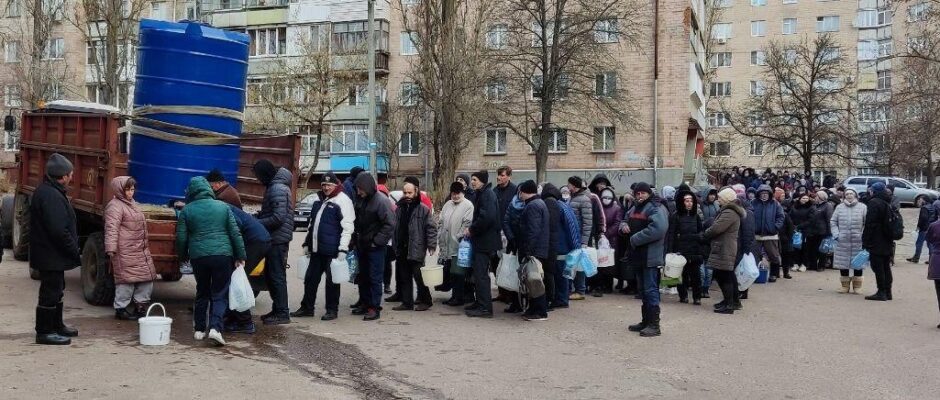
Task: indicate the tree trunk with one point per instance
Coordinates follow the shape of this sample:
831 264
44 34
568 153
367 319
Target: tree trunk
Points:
931 178
807 162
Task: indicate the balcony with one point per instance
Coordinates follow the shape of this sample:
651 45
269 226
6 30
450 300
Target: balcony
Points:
346 161
696 88
698 13
356 62
266 3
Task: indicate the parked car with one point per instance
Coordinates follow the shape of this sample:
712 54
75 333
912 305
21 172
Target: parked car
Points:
302 211
907 192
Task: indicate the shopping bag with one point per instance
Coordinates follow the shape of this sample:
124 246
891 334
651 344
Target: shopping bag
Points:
463 254
860 260
797 240
746 272
352 259
588 264
507 274
605 254
303 262
828 245
533 274
240 296
591 253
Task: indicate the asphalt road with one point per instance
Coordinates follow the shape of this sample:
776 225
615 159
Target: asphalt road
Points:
795 339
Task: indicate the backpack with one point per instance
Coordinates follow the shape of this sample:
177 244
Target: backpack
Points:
895 223
570 237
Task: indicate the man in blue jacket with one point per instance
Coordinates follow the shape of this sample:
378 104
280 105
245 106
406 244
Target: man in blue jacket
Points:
257 244
768 221
535 243
647 224
277 216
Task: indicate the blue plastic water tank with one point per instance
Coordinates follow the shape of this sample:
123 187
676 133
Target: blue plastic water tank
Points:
186 64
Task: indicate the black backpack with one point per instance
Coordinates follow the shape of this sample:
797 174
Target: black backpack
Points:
895 223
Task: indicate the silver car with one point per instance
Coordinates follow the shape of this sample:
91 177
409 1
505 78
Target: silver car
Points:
907 192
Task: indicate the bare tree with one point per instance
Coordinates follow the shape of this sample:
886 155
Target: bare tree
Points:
803 105
35 58
923 28
558 60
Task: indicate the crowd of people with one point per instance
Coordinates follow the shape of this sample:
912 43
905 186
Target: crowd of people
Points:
787 222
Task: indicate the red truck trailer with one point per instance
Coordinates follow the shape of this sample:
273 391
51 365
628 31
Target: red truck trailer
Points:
90 139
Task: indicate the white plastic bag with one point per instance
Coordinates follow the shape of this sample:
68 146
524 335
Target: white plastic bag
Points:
675 263
605 254
339 270
746 272
240 296
507 274
592 255
302 263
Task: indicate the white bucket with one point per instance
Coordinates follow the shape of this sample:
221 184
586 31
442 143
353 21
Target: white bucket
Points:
674 265
339 271
155 331
433 276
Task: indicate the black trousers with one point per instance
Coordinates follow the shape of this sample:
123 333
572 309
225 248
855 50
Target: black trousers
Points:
275 276
726 281
881 266
407 274
320 265
51 287
936 286
691 278
387 275
855 272
809 253
481 278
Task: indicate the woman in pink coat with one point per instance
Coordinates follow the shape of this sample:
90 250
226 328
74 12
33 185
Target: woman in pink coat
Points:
125 241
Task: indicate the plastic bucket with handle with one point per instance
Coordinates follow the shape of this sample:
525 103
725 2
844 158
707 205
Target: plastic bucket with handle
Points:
433 276
155 331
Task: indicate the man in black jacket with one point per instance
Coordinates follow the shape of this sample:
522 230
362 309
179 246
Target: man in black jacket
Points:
505 190
415 236
277 216
484 234
53 248
375 224
534 243
876 238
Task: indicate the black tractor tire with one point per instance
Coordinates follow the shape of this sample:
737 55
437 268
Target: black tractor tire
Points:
20 232
171 277
97 281
7 214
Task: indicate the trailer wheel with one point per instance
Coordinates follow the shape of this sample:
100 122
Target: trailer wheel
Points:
174 277
21 228
6 221
97 283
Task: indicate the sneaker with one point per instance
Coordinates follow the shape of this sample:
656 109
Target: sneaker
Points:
123 315
576 296
216 337
277 320
371 315
302 313
329 316
479 313
535 317
199 335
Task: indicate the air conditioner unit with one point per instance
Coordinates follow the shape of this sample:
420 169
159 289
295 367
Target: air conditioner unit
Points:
722 40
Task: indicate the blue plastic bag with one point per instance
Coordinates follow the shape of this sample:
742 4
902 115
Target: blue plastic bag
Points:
587 265
463 254
579 260
828 245
353 260
860 260
797 240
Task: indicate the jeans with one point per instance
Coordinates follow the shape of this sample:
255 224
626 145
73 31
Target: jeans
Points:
562 285
407 274
51 287
320 265
580 282
481 279
706 277
213 274
275 276
371 271
650 286
881 266
919 244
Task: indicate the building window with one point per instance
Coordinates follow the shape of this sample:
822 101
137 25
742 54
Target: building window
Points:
192 11
758 3
720 59
54 8
718 120
720 89
358 95
410 94
94 52
831 54
789 1
867 50
497 37
557 140
759 28
351 138
14 8
308 140
885 17
408 46
605 31
867 18
11 141
918 12
561 87
790 56
410 2
719 149
723 3
758 57
721 31
495 141
11 51
872 113
158 10
495 92
789 26
353 37
757 88
11 96
410 144
319 38
756 147
605 85
604 138
871 143
101 95
827 146
828 23
538 34
756 120
54 49
885 48
267 42
884 79
53 91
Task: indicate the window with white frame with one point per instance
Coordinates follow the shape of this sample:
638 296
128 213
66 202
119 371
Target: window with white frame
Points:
718 120
496 92
557 140
11 51
830 54
353 36
918 12
884 80
757 88
497 37
721 30
723 3
606 31
604 138
789 1
885 17
267 42
758 3
605 85
54 49
561 87
358 95
408 46
720 89
867 18
720 59
827 146
756 120
11 96
54 8
494 141
192 11
95 52
827 23
102 95
410 144
872 113
158 10
11 141
319 38
885 48
308 140
53 91
350 138
867 50
410 94
14 8
719 149
756 147
759 28
790 55
872 142
789 26
758 57
538 34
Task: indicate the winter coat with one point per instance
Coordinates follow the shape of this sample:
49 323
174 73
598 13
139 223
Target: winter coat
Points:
332 223
277 208
422 231
252 230
600 219
803 217
647 247
786 234
125 236
847 225
723 235
53 236
599 178
504 197
375 221
876 238
455 220
768 215
535 224
485 228
349 187
746 236
927 216
583 209
557 224
613 216
206 226
512 227
685 229
822 217
229 195
709 209
933 237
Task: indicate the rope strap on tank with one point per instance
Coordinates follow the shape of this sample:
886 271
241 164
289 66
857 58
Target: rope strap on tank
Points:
140 125
190 110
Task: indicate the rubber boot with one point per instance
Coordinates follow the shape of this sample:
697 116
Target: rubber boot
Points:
846 283
857 284
140 309
642 325
45 327
652 326
60 326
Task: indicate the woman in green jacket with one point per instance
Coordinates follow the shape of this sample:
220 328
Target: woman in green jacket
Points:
208 236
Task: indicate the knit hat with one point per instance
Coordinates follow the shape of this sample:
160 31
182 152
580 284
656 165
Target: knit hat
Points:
215 176
576 181
329 178
739 189
878 187
264 170
482 176
669 192
412 180
58 166
822 195
354 172
456 187
642 187
727 195
529 187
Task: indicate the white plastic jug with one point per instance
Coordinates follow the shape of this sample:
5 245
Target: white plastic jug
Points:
155 331
433 276
339 271
674 265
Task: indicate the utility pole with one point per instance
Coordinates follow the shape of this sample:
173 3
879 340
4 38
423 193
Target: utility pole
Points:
371 56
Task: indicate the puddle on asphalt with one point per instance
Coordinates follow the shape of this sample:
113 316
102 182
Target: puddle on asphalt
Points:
320 358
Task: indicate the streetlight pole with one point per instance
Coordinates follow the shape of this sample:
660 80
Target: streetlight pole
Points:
371 56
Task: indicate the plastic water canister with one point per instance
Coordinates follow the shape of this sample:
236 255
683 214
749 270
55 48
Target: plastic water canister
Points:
463 254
